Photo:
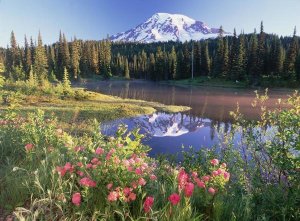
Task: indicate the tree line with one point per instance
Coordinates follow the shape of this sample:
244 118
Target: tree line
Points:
251 58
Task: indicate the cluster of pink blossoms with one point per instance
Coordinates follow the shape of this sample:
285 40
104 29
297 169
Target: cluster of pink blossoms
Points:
187 183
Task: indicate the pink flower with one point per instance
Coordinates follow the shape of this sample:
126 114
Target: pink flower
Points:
174 198
194 175
113 196
132 196
138 171
78 148
153 177
28 147
189 189
148 203
214 162
117 160
182 179
79 164
119 145
127 191
205 178
215 173
226 175
80 173
68 166
89 165
134 185
130 168
200 183
61 171
142 182
126 163
95 160
87 182
223 165
211 190
76 199
109 186
110 153
99 151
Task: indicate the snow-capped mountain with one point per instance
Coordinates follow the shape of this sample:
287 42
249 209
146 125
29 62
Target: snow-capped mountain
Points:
167 27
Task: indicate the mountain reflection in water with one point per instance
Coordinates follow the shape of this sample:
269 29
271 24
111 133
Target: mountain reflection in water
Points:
167 133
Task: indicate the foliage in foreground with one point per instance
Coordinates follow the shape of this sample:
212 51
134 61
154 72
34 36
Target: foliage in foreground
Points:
48 174
52 175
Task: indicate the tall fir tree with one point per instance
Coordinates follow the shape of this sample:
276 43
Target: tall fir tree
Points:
126 69
75 58
27 56
205 63
289 64
40 60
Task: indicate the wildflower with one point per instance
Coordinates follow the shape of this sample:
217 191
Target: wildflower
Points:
78 148
142 182
194 175
126 163
189 189
87 182
132 196
99 151
127 191
95 160
79 164
134 185
89 165
148 203
130 168
226 175
138 171
119 145
59 131
200 183
205 178
215 173
109 186
116 160
80 173
153 177
28 147
61 171
214 162
76 199
113 196
223 165
211 190
182 179
68 167
110 153
174 198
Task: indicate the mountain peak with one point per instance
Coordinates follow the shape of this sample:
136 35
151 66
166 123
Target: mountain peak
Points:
167 27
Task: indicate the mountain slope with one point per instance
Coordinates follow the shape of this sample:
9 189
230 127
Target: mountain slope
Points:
167 27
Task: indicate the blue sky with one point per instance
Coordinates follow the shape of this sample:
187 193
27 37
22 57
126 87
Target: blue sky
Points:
95 19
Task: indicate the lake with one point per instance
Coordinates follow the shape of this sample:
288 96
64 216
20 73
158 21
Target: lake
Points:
199 127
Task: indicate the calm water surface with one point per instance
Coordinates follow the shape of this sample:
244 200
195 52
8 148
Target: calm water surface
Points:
199 127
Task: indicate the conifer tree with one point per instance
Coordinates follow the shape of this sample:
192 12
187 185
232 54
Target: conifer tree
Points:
66 80
197 58
252 67
152 67
173 63
289 65
219 57
27 56
126 69
32 79
225 63
40 60
261 52
75 58
205 63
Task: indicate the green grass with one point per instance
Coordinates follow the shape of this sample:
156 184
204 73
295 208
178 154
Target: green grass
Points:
77 114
